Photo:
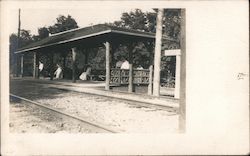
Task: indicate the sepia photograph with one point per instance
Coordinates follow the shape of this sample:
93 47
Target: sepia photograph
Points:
126 77
119 76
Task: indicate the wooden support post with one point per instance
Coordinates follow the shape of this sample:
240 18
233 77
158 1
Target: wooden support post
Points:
150 85
73 65
107 45
22 55
130 79
177 54
177 77
34 64
37 66
157 57
64 62
16 57
52 66
18 40
182 108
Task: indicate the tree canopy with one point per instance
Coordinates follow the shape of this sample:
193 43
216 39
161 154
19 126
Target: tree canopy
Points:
63 24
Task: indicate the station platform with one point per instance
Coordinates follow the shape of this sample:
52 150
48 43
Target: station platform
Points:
97 88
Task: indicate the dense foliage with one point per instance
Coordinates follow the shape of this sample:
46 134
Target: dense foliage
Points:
63 24
146 22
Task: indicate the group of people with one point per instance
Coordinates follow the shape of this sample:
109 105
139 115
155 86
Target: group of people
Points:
58 74
124 64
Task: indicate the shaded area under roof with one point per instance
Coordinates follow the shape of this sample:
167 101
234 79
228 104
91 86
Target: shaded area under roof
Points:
93 34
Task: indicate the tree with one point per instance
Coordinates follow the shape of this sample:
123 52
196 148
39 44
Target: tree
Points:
134 20
25 39
172 23
63 24
43 32
151 21
147 22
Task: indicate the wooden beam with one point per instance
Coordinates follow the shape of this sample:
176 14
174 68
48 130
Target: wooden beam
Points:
182 108
157 57
73 50
107 46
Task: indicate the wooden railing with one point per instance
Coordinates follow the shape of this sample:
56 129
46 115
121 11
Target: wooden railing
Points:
121 76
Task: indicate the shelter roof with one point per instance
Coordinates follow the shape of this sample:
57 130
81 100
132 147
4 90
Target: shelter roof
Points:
86 33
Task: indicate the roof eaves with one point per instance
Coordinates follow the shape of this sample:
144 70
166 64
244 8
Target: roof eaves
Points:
141 34
61 42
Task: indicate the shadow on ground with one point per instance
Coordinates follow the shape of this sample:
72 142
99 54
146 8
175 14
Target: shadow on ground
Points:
34 91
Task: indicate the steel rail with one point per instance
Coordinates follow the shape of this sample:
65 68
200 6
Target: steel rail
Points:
97 125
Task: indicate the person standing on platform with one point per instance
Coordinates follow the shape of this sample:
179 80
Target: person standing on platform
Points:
58 72
125 64
84 75
41 70
139 67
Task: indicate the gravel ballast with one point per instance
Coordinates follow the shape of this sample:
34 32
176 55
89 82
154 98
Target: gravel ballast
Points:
116 114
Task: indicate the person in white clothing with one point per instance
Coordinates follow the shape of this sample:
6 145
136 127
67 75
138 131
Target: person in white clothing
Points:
58 72
139 67
125 64
84 75
40 67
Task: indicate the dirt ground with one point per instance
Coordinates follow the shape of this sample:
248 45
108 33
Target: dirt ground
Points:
29 119
127 117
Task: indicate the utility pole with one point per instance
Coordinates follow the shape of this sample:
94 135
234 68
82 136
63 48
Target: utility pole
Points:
157 57
18 40
182 108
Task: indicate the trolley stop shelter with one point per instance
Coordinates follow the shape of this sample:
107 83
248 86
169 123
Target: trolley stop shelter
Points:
95 36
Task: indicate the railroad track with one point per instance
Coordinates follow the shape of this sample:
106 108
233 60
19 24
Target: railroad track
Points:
63 87
127 101
83 122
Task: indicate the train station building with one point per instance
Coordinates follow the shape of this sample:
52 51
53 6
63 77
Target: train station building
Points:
72 44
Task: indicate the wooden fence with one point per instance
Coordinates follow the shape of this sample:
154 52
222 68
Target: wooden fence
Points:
121 76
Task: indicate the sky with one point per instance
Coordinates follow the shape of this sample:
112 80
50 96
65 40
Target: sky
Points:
32 19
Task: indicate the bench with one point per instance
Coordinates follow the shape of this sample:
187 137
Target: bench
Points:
97 75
